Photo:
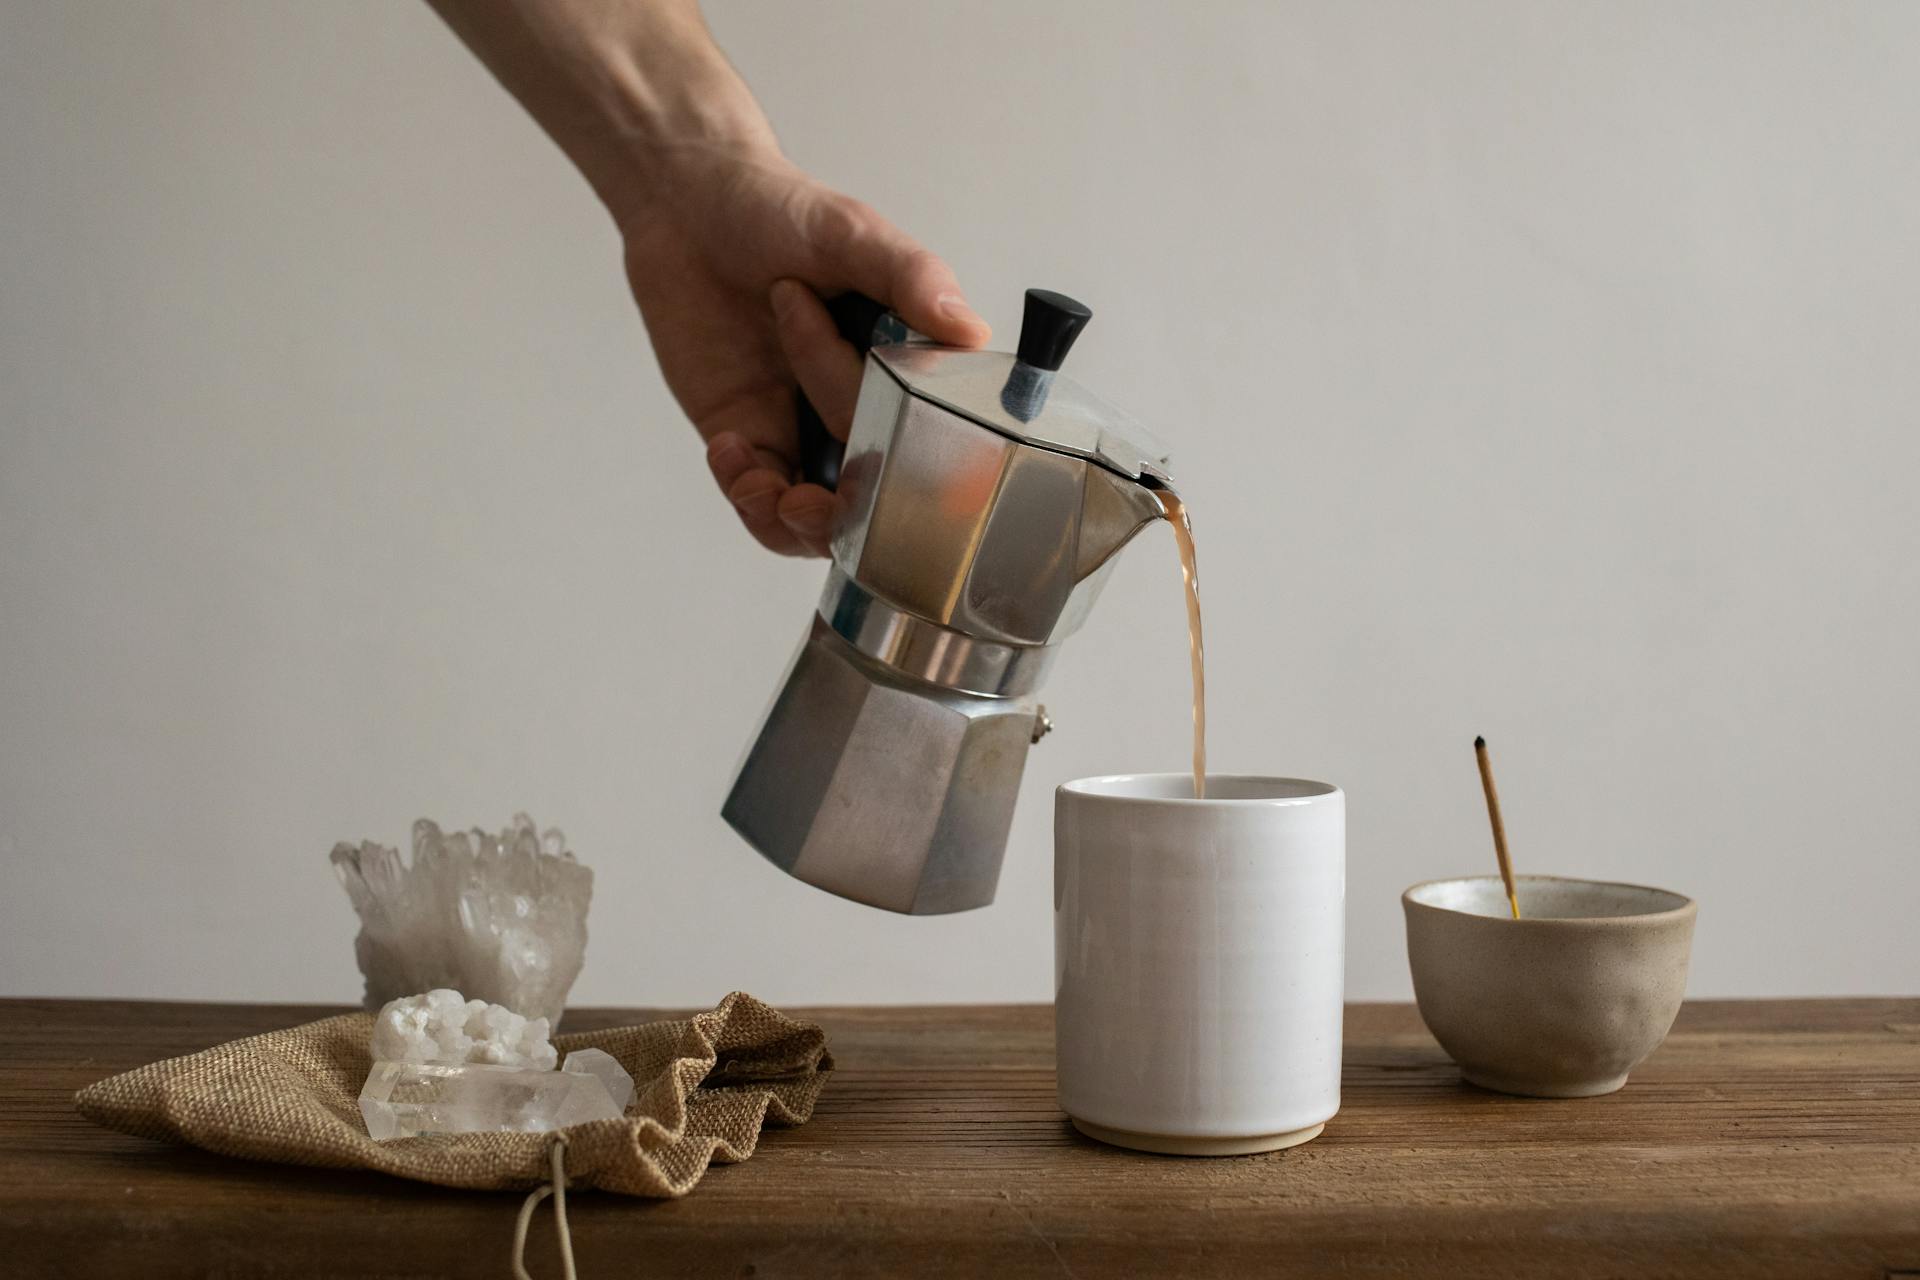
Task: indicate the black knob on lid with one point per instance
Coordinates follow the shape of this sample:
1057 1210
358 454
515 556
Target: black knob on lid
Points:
1047 330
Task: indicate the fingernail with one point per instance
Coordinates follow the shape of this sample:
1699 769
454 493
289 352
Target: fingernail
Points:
809 522
728 446
757 507
783 296
955 307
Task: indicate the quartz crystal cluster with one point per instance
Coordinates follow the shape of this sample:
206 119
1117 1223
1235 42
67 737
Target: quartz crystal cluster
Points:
500 917
444 1026
445 1064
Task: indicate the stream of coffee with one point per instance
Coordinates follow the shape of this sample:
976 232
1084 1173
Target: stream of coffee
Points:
1182 522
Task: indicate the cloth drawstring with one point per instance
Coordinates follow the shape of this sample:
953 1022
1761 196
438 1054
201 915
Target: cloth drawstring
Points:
558 1190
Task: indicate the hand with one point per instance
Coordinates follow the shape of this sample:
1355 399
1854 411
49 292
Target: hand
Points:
728 246
729 260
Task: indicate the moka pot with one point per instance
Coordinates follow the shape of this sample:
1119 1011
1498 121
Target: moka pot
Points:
983 498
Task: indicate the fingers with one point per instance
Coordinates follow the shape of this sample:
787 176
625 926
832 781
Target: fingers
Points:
843 244
926 293
826 367
807 511
754 489
856 244
792 519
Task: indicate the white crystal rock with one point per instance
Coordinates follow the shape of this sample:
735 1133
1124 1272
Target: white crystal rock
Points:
403 1099
444 1026
502 918
607 1069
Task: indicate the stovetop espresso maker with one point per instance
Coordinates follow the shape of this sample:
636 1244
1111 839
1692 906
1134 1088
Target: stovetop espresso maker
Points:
983 499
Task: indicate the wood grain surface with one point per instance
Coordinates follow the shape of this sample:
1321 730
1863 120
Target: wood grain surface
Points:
1772 1138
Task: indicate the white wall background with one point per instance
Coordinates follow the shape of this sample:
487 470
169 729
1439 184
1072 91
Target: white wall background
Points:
1547 371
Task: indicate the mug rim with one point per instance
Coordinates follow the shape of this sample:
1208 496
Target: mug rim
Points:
1685 907
1092 788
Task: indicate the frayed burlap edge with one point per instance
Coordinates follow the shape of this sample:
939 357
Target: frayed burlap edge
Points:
704 1087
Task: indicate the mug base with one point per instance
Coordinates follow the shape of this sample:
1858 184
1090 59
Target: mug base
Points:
1544 1088
1168 1144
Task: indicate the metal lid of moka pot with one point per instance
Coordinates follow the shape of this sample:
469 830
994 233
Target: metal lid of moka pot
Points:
1024 396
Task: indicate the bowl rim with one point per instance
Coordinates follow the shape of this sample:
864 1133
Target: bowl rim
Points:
1688 906
1089 789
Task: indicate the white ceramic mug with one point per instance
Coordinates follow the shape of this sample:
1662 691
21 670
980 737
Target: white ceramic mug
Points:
1199 960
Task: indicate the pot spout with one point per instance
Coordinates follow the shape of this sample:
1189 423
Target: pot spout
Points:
1115 509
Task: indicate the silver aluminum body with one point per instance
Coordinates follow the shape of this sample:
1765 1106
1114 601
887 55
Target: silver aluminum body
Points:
969 542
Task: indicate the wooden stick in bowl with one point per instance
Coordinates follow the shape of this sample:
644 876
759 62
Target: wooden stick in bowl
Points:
1499 827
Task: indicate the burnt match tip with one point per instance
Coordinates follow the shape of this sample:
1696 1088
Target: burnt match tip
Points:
1479 742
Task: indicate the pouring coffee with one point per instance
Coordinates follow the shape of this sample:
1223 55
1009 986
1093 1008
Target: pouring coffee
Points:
983 499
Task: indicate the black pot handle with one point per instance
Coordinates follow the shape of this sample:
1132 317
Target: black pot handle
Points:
856 316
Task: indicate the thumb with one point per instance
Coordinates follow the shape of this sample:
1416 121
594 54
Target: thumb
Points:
890 266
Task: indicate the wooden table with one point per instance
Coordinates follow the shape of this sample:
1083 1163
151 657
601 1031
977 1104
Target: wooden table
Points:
1775 1138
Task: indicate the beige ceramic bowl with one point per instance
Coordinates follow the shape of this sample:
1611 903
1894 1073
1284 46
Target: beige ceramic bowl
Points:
1561 1003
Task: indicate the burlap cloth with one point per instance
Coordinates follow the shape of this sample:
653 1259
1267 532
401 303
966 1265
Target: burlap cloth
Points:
703 1088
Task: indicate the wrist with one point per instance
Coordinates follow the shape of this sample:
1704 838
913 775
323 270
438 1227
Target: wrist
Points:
630 90
668 111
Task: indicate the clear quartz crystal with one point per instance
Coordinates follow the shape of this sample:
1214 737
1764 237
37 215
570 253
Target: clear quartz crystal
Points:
404 1099
502 918
606 1068
442 1026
